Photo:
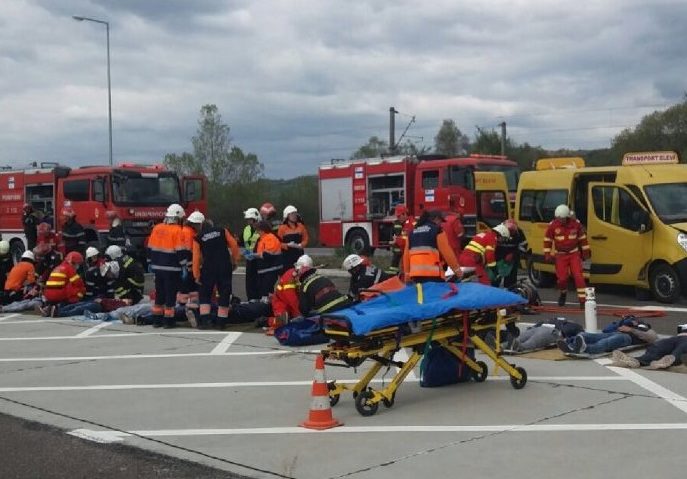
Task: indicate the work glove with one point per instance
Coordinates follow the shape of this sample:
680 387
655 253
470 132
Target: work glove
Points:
587 254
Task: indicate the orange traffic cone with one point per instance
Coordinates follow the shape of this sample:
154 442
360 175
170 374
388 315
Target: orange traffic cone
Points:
320 416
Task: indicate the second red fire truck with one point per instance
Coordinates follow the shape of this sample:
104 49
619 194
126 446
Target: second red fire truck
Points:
357 197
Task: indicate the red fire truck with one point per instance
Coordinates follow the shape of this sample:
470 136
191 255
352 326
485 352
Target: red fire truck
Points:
138 194
357 197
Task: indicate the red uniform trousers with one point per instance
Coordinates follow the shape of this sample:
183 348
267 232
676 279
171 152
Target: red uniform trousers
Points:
470 259
571 262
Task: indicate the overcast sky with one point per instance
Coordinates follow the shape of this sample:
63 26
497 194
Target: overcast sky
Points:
300 82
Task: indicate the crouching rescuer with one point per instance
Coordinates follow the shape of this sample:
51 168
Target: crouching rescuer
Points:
215 252
569 239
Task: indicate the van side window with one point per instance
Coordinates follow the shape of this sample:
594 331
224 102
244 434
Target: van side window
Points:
76 190
430 179
538 206
615 206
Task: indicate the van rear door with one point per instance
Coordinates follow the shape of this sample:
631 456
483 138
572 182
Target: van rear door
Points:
621 245
493 205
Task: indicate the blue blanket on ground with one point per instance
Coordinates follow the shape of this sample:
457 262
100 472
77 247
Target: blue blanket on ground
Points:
437 299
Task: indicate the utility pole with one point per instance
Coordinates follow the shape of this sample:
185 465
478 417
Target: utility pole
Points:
392 130
503 138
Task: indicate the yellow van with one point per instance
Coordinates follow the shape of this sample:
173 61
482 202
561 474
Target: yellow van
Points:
492 199
635 216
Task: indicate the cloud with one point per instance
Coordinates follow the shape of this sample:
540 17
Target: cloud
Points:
302 81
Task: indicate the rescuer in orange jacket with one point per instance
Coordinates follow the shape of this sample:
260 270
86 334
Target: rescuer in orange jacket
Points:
568 237
454 230
293 235
21 277
480 253
167 250
403 226
269 255
427 249
215 253
64 285
284 301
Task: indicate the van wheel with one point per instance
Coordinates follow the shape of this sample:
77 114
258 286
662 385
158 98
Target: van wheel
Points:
358 242
539 278
664 283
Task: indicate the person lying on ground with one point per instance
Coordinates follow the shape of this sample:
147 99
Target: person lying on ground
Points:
620 334
662 354
543 334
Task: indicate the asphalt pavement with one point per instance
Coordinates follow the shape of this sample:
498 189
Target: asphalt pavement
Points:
112 400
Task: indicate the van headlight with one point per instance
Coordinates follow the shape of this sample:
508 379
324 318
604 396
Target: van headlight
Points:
682 240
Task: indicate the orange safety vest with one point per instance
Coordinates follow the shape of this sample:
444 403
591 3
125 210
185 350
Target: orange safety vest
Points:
423 252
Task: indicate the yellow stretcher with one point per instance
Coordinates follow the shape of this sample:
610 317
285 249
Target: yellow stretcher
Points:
452 331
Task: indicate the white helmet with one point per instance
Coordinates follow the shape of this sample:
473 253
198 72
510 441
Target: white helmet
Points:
4 247
251 214
562 211
28 255
502 230
289 209
351 261
175 211
304 261
196 217
91 252
113 251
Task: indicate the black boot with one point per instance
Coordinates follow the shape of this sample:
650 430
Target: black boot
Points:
168 323
157 321
561 298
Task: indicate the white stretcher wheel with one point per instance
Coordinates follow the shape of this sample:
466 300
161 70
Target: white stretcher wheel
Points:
519 383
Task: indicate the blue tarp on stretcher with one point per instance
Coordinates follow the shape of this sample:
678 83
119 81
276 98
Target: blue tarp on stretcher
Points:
402 306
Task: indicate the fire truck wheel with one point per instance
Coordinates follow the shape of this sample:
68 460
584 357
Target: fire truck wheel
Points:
16 250
358 242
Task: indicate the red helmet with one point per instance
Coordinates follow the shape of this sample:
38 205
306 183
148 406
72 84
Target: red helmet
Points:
512 226
400 210
74 258
267 209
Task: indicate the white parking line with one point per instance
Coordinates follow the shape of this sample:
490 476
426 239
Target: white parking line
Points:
239 384
117 335
10 316
92 330
144 356
113 436
672 398
224 345
34 321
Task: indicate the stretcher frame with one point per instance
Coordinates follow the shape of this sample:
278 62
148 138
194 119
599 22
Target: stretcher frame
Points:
380 346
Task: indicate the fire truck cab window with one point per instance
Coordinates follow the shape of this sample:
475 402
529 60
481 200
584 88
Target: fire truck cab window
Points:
99 191
459 176
430 179
76 190
133 188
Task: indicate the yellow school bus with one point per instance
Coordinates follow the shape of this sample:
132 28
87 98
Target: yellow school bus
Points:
635 216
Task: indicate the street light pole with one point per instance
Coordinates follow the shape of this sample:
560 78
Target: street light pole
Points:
109 86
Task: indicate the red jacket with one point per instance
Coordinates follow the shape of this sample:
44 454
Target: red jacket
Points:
285 297
566 238
401 238
484 245
64 285
454 230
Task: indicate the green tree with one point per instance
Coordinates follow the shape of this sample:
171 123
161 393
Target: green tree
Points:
374 148
213 154
660 130
450 141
